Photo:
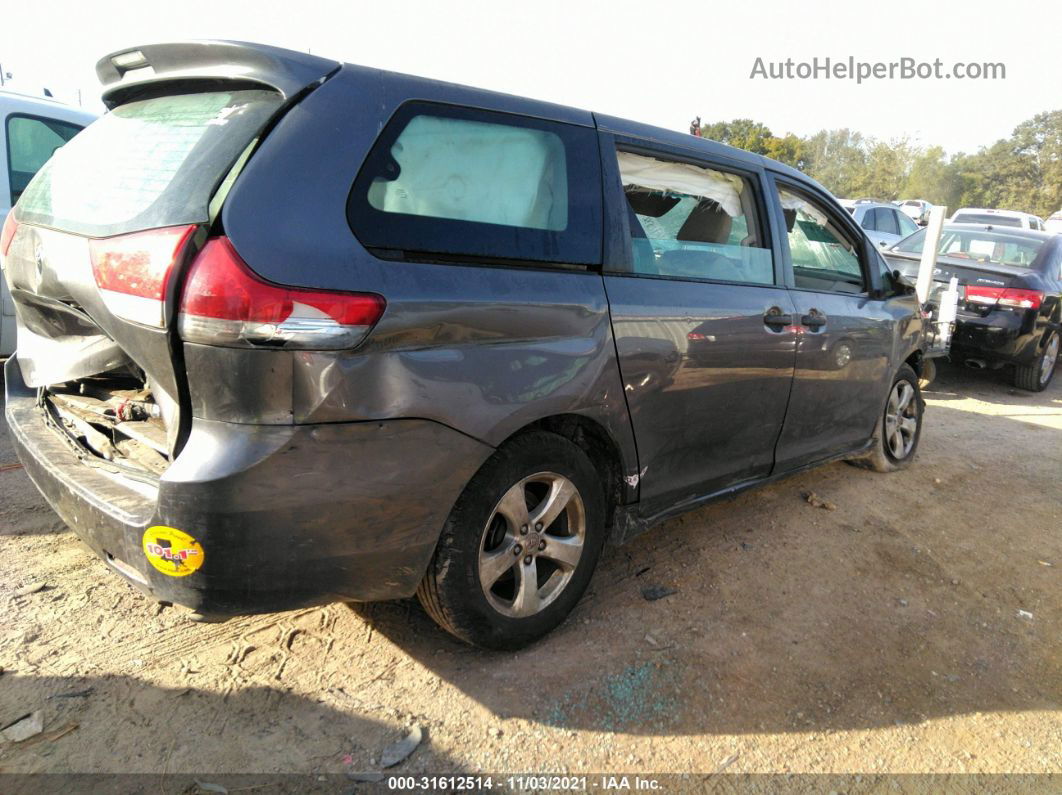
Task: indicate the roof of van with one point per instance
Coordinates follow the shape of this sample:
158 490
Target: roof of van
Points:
121 72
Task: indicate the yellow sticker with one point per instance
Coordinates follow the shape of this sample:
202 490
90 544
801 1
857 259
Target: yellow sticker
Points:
172 551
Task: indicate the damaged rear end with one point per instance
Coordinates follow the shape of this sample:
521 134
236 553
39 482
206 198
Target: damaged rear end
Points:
96 255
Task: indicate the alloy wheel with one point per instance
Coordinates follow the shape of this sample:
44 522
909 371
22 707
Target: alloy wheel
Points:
532 544
901 420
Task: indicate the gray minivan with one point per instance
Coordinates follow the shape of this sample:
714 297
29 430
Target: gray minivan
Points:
294 331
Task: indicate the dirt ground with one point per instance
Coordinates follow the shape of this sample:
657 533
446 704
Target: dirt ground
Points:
915 628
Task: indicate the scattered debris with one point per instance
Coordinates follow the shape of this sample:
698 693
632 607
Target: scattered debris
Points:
652 641
24 727
494 731
34 587
1025 614
653 592
725 764
396 753
746 546
1045 563
645 569
815 501
902 602
955 581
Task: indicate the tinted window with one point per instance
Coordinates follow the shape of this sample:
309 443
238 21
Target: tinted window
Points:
30 142
150 163
688 221
823 256
466 182
985 218
887 221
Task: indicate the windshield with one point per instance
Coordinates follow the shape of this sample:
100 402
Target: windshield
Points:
980 245
146 164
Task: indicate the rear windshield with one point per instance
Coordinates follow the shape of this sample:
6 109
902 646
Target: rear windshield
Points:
146 164
985 218
979 245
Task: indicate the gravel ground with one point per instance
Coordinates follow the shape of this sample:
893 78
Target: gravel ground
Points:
913 628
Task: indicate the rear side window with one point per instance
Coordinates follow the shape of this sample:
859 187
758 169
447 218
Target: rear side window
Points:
456 181
693 222
146 164
31 140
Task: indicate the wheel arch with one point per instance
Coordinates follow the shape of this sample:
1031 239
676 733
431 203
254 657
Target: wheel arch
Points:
599 445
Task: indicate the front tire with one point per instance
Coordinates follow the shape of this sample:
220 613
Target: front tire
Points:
520 545
1035 377
899 426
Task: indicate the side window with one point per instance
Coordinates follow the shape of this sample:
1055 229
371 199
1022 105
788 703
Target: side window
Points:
823 255
870 219
692 222
30 142
907 226
459 181
887 221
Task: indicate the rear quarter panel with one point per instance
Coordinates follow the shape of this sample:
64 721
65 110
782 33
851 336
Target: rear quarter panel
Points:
484 350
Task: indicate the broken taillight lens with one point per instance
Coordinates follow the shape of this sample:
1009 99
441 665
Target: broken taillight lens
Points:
133 271
225 303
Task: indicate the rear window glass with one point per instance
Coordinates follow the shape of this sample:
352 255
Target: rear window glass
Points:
978 245
146 164
985 218
476 183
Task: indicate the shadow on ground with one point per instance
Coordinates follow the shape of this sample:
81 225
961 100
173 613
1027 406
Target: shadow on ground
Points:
926 593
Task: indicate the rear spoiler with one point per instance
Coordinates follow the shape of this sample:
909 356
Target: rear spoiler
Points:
129 73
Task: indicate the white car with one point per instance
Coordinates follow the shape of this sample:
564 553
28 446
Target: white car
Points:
916 209
1054 223
980 215
31 129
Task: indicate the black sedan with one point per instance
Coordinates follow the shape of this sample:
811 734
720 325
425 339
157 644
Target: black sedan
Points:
1010 295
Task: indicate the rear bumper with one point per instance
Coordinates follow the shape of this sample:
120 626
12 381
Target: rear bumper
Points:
287 516
1002 337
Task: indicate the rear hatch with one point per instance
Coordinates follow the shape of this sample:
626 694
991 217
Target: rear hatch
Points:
102 236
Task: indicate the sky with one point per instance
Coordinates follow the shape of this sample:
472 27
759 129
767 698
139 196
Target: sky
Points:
658 62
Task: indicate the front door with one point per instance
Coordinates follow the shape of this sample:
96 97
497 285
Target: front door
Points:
702 326
845 346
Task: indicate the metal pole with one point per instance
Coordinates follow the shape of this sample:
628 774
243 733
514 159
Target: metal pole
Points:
929 252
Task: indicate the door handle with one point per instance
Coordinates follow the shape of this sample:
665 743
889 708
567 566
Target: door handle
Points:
776 319
813 319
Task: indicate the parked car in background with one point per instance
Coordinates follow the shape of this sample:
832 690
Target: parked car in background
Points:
301 331
980 215
31 129
883 222
1011 296
916 209
1054 223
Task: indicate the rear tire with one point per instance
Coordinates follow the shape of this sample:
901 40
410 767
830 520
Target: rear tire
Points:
1035 377
500 580
899 426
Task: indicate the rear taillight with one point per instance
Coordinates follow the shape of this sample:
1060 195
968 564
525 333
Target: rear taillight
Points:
1010 297
132 271
8 234
1021 299
224 303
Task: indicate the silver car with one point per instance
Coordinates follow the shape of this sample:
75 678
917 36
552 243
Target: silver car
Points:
885 224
